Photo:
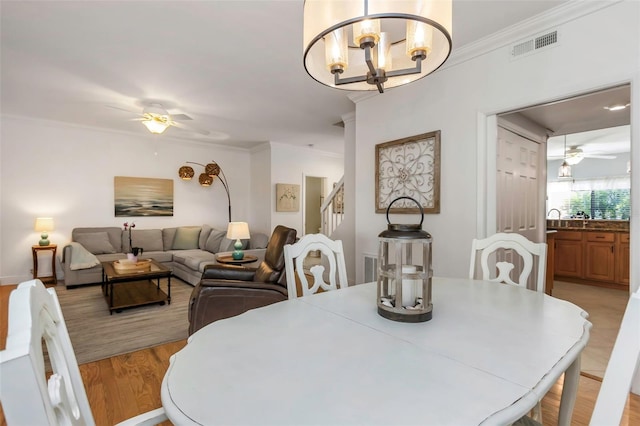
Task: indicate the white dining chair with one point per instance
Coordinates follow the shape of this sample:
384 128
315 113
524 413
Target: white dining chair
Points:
488 250
624 362
28 398
491 248
295 255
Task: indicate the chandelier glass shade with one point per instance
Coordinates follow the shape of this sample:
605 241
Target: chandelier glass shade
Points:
375 44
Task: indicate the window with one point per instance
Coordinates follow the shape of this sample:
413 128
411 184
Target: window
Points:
602 198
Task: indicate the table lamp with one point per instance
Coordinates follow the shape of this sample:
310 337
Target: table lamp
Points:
237 231
44 225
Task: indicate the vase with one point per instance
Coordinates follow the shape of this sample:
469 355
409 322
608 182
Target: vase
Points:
132 257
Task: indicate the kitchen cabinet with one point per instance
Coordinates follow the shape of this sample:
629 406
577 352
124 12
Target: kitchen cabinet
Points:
623 260
599 256
592 257
568 254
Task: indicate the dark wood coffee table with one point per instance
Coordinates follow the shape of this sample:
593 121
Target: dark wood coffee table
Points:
136 288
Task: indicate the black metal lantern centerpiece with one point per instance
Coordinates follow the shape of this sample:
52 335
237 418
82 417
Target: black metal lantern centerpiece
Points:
404 271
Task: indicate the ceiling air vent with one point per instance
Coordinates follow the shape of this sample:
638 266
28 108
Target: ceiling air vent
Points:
533 44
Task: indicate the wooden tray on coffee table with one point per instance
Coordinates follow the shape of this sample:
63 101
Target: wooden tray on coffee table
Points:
123 266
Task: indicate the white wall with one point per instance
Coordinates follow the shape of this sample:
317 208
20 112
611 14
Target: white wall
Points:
260 170
455 100
290 165
66 172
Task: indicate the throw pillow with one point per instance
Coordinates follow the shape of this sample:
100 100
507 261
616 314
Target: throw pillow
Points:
148 239
213 242
96 242
186 238
204 236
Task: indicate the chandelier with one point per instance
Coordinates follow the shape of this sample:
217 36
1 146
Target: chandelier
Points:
373 44
565 169
206 178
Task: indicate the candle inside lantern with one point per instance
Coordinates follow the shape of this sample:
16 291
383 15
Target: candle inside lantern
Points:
409 286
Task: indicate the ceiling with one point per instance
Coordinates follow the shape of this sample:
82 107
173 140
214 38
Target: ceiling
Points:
235 67
585 122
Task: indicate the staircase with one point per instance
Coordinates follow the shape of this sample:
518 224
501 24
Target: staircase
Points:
332 210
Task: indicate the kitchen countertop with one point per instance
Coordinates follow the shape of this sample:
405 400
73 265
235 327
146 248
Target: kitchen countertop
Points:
589 225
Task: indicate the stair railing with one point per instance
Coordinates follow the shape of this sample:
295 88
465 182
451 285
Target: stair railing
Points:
332 210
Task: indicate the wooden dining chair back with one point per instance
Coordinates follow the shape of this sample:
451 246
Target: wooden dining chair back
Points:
503 253
28 398
623 364
332 254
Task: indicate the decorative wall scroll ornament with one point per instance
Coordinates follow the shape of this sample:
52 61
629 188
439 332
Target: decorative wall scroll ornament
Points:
409 167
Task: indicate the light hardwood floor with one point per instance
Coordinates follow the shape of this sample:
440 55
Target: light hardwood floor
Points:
126 385
606 308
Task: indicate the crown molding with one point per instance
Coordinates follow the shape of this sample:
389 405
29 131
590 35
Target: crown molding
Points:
537 24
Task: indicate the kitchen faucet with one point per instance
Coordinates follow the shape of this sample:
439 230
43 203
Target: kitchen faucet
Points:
549 213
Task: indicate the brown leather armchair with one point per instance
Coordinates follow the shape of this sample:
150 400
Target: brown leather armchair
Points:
228 290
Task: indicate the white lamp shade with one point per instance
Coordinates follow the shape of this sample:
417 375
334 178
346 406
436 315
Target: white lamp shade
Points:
238 231
321 17
44 224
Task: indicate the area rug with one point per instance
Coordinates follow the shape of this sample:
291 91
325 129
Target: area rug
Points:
97 335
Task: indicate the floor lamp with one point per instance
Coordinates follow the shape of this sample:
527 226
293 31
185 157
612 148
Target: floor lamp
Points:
211 171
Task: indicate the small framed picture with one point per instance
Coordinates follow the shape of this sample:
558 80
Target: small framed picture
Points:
287 197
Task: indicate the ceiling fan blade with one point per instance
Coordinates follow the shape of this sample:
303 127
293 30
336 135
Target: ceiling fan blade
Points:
123 109
181 117
189 128
604 157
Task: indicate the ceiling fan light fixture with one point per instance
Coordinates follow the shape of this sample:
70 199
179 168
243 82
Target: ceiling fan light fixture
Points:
574 159
375 44
155 124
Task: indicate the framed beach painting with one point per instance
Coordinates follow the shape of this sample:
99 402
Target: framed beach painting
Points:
409 167
135 196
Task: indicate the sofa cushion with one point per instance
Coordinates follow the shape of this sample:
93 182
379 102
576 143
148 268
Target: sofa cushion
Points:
187 238
158 256
213 242
148 239
115 235
193 258
168 235
204 235
258 241
96 242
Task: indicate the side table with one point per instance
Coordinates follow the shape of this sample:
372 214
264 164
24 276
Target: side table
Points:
229 260
34 252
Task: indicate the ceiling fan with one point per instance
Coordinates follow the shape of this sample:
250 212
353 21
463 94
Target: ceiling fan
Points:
575 154
157 119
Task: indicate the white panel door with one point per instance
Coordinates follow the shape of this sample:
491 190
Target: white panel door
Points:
518 194
519 198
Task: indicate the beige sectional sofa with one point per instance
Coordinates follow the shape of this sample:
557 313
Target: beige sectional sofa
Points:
186 250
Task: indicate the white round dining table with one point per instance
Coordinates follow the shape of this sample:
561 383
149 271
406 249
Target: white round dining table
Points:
488 355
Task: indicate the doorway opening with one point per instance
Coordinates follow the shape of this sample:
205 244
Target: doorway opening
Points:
590 133
314 195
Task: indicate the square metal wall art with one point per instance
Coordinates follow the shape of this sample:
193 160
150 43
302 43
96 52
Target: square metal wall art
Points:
409 167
